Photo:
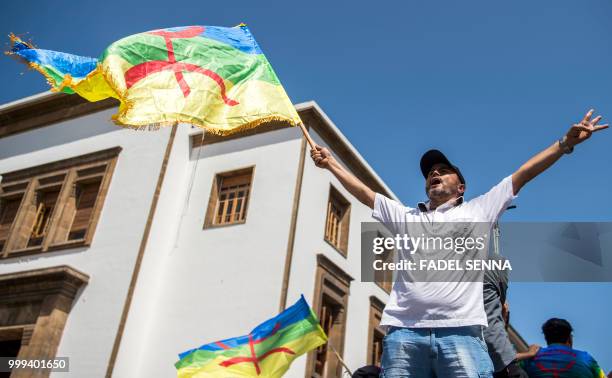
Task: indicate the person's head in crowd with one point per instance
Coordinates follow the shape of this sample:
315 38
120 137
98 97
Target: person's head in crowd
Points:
443 180
369 371
557 331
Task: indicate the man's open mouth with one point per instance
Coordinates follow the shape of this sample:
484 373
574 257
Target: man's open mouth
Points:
435 181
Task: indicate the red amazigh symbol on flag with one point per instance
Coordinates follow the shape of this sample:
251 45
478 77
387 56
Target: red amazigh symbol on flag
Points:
554 369
254 358
142 70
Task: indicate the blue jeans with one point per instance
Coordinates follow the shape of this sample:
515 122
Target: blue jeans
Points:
453 352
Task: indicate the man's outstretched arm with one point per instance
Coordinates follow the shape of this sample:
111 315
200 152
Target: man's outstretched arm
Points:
577 134
324 159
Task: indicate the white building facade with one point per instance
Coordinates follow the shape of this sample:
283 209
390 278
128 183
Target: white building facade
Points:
122 248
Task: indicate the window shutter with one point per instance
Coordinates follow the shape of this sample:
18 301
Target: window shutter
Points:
8 212
85 200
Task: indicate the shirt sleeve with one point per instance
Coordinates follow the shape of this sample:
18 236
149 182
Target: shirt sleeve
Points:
493 203
389 212
597 371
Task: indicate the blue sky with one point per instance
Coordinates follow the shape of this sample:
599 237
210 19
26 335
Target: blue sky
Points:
489 83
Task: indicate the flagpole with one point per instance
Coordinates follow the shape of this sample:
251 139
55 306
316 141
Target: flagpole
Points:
307 136
339 358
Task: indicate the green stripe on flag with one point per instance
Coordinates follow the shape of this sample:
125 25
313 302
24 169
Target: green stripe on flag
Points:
229 63
282 337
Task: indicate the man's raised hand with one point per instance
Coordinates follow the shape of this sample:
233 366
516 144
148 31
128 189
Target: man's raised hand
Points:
321 156
582 131
324 159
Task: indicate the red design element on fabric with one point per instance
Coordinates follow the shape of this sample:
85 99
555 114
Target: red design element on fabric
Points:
142 70
221 345
554 370
254 359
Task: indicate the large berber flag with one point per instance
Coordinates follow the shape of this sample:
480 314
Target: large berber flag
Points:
213 77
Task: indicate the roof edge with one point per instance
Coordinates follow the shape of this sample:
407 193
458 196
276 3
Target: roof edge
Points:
341 138
26 101
46 108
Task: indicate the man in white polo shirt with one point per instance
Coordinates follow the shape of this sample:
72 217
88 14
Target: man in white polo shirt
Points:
435 328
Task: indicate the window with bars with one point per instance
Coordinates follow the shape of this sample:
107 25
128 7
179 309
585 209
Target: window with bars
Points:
330 304
229 198
384 277
45 201
376 333
329 318
55 205
337 222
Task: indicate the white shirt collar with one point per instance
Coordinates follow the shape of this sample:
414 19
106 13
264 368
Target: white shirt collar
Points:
424 206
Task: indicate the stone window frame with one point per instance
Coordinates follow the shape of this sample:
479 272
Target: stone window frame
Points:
28 182
213 200
376 310
336 199
35 306
384 278
332 282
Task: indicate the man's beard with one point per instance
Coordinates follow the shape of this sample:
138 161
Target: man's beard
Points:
441 193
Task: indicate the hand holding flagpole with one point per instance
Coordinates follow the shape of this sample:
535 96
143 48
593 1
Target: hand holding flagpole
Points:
307 136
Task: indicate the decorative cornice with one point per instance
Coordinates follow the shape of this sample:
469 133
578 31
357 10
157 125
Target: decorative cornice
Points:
376 302
35 285
334 269
61 164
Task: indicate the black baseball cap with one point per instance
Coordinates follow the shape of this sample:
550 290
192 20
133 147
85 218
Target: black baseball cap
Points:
433 157
369 371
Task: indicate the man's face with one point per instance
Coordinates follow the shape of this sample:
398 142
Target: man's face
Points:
443 184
